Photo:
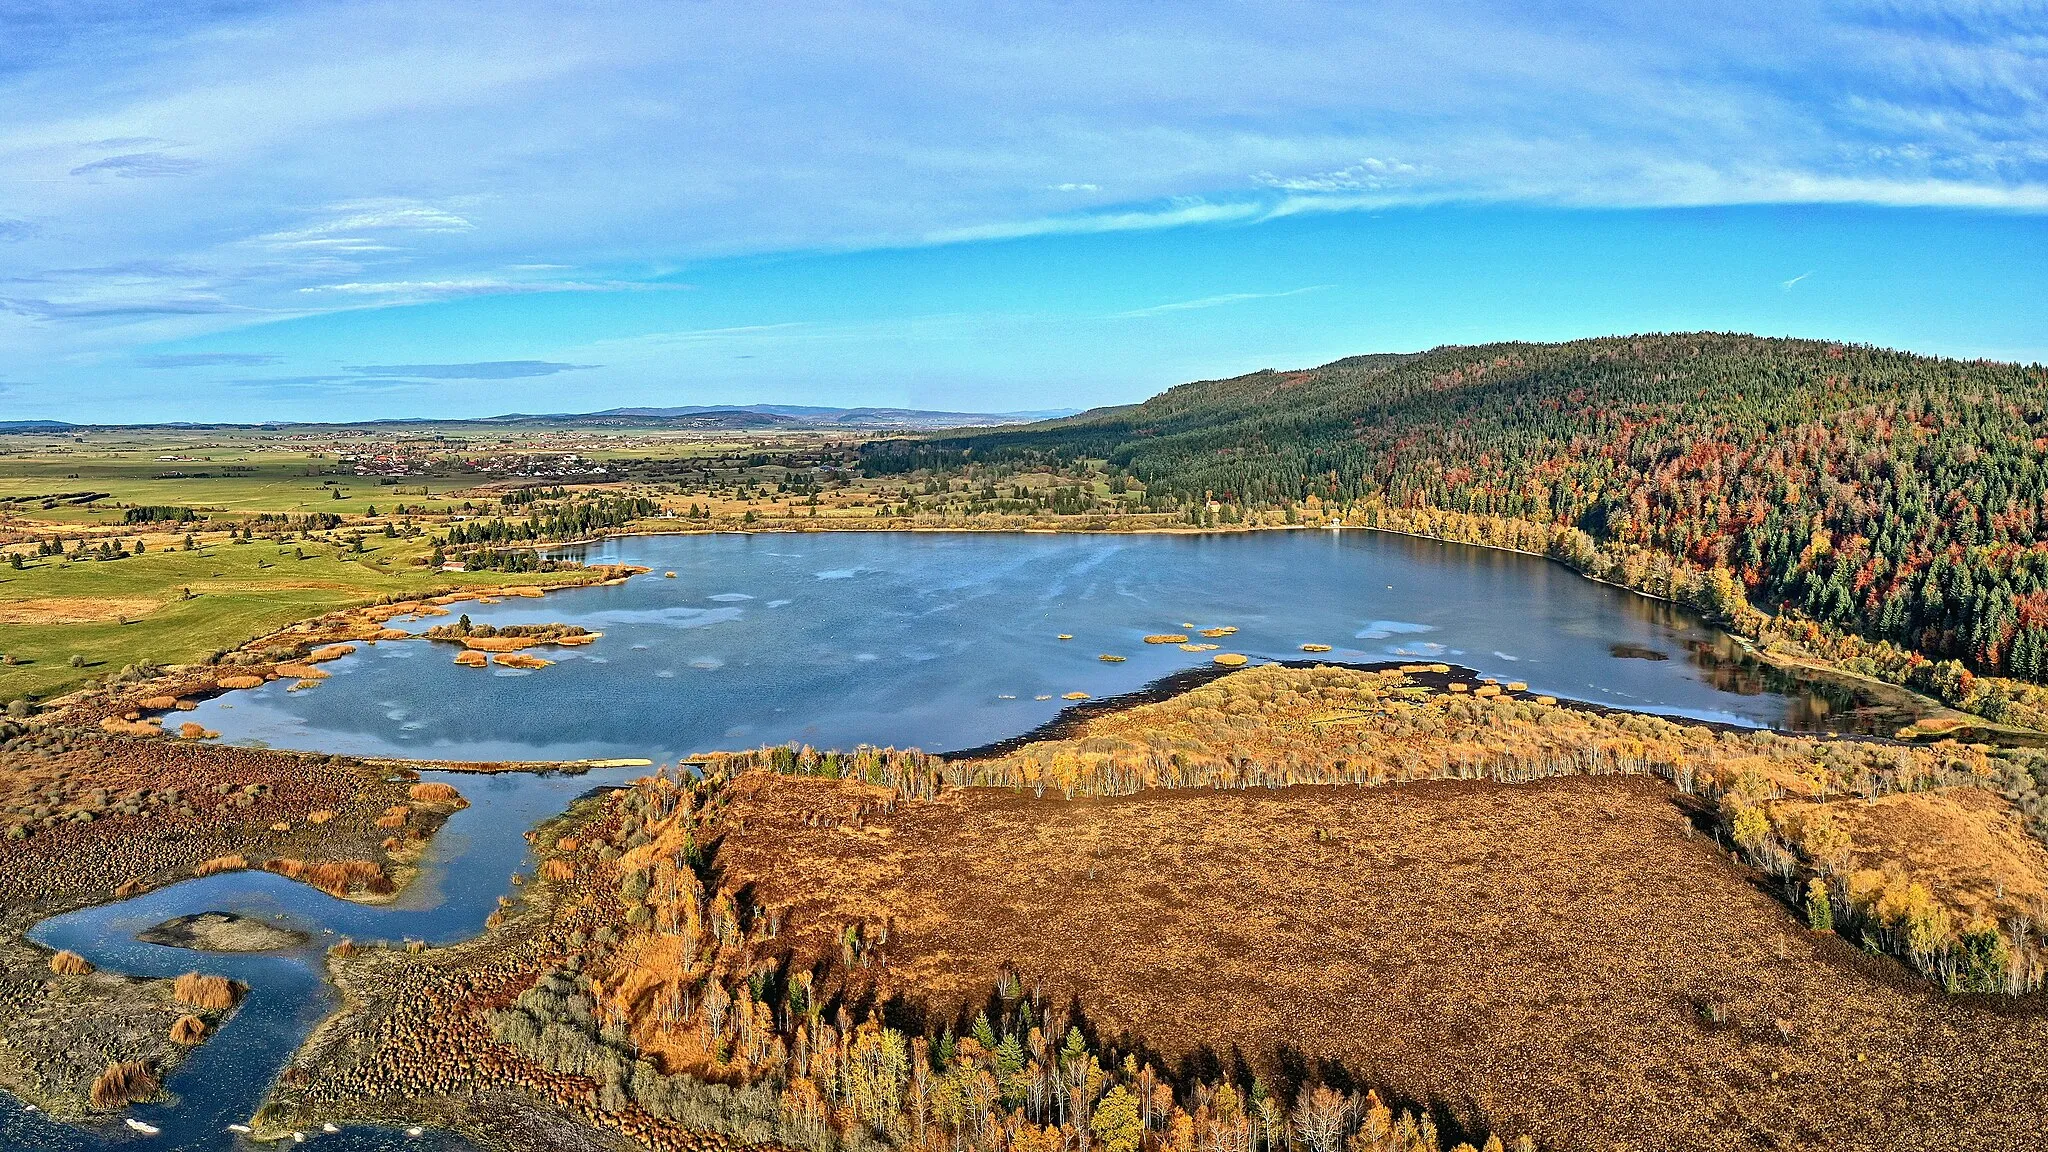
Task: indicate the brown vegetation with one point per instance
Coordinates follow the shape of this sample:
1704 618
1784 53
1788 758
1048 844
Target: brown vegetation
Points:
188 1030
232 862
1478 915
209 993
69 964
436 793
124 1082
339 878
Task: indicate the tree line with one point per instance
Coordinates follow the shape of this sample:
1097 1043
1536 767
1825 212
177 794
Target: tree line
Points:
1896 496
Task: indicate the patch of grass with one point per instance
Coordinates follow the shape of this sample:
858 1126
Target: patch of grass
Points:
207 993
204 601
123 1083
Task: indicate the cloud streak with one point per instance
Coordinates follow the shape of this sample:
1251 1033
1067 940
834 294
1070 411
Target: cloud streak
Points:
207 360
139 165
1214 302
482 370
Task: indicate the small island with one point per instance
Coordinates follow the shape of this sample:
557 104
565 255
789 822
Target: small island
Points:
222 932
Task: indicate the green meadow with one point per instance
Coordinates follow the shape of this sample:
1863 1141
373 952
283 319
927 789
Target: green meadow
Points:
63 622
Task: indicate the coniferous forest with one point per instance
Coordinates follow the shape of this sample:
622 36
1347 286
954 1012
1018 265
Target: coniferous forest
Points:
1897 496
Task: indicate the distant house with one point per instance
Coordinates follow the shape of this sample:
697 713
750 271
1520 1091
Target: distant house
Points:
454 566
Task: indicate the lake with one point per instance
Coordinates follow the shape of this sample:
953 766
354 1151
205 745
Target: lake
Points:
939 641
949 641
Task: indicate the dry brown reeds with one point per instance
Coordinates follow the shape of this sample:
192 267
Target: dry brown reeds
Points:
1167 638
522 660
499 643
123 1083
394 816
557 870
233 862
188 1030
69 963
1230 659
207 993
435 793
472 659
236 682
337 878
319 816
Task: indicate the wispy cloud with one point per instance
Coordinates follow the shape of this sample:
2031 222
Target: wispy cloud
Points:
139 164
369 226
1214 302
117 308
1368 175
207 360
1178 215
398 291
1787 285
234 139
482 370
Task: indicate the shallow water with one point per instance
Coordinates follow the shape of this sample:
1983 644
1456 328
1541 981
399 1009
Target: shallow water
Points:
468 866
940 641
950 641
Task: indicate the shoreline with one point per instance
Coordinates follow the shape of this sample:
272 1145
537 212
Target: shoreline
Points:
1918 709
1435 677
1812 667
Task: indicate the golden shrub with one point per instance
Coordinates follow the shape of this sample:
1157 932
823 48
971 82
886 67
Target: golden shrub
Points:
207 993
123 1083
233 862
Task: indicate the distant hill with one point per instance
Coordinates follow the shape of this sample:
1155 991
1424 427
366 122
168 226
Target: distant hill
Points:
1901 496
810 416
739 417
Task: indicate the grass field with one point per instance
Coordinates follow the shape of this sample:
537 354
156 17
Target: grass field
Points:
174 607
228 476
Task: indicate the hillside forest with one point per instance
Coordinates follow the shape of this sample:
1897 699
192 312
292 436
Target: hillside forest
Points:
1884 495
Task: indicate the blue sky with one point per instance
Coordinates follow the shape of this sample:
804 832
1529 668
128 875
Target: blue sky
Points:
305 211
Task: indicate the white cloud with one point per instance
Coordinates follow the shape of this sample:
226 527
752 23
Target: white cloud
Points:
369 154
1213 302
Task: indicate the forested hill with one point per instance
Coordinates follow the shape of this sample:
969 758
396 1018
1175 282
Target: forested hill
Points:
1898 496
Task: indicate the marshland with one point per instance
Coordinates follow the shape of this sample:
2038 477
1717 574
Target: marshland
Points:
836 641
